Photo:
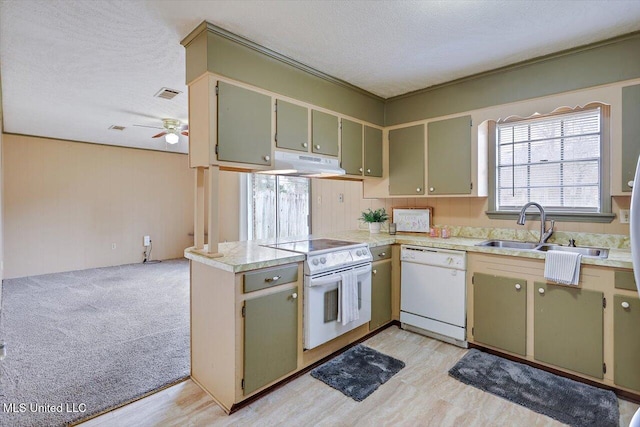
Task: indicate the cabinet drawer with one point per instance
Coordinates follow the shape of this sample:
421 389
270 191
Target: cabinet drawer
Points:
261 279
381 252
623 279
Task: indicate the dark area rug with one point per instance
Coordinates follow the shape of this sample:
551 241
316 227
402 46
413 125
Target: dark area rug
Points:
87 341
358 372
560 398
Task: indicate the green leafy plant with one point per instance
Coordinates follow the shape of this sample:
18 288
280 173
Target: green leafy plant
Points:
379 215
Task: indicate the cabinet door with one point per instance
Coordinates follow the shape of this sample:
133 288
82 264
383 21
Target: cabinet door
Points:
568 328
630 133
626 341
292 126
380 294
449 156
406 160
500 312
270 338
324 133
351 147
372 151
244 125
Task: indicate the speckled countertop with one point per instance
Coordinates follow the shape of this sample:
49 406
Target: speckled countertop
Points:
250 255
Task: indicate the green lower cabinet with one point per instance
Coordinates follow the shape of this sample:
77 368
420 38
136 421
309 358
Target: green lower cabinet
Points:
270 338
500 312
568 328
626 341
380 294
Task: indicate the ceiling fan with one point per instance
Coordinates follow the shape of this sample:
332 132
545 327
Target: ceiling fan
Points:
172 129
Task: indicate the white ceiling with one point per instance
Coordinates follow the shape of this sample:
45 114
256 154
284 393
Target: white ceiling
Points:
70 69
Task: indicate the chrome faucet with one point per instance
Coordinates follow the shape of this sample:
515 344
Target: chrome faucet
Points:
544 235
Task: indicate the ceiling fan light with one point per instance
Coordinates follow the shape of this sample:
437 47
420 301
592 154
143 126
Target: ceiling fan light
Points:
171 138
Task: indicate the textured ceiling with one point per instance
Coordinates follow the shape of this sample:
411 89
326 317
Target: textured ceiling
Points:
70 69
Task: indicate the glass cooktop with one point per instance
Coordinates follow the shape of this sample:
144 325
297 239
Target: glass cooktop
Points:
307 246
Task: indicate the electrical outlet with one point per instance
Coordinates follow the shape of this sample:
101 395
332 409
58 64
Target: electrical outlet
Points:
319 200
113 246
341 198
146 241
624 216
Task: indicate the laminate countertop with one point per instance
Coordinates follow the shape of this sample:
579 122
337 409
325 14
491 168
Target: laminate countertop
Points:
251 255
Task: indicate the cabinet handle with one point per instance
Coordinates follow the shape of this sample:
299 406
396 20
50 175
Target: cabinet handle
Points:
317 146
518 287
305 145
418 189
625 304
375 272
360 169
541 291
630 184
368 170
267 158
272 279
294 295
382 254
432 189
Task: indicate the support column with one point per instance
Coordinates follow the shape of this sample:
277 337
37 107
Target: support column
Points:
198 220
213 225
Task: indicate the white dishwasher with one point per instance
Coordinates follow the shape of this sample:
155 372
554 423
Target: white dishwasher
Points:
433 293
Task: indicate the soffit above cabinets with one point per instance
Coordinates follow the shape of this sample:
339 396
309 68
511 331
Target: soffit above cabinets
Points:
70 69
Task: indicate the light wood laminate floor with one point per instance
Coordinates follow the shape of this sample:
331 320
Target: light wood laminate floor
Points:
421 394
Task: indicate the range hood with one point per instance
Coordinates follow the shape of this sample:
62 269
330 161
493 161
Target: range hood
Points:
304 164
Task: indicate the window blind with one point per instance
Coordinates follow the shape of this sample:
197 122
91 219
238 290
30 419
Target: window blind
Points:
553 160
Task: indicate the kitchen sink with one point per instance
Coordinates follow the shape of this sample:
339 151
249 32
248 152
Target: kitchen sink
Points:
508 244
544 247
588 252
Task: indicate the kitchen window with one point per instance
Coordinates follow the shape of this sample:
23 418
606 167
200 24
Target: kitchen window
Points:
559 160
277 206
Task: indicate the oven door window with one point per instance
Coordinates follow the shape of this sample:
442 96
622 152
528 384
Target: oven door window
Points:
331 303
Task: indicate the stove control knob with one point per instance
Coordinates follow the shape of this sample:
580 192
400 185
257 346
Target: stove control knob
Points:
359 252
323 260
315 261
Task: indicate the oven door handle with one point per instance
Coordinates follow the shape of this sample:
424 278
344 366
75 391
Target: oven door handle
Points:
334 277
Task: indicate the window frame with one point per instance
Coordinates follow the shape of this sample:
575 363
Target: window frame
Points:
605 215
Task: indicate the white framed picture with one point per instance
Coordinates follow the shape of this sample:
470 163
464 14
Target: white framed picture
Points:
413 220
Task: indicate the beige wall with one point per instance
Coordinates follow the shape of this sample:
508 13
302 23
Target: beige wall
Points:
67 203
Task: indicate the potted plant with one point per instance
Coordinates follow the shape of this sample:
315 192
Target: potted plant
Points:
374 219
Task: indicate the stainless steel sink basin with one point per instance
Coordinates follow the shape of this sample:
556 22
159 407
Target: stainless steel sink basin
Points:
508 244
588 252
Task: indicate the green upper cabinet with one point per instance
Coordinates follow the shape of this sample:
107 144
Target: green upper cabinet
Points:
630 134
449 156
568 328
270 338
406 161
351 152
324 133
244 125
372 151
292 126
500 312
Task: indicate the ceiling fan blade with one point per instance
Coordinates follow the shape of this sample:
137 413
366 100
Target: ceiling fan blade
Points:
146 126
185 133
159 135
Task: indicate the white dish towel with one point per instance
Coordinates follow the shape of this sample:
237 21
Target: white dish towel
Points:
348 298
562 267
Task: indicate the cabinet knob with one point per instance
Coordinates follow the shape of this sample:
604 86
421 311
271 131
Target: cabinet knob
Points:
625 304
375 272
518 287
272 279
360 169
382 254
418 189
432 189
541 291
267 158
368 170
317 146
305 145
294 295
630 183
